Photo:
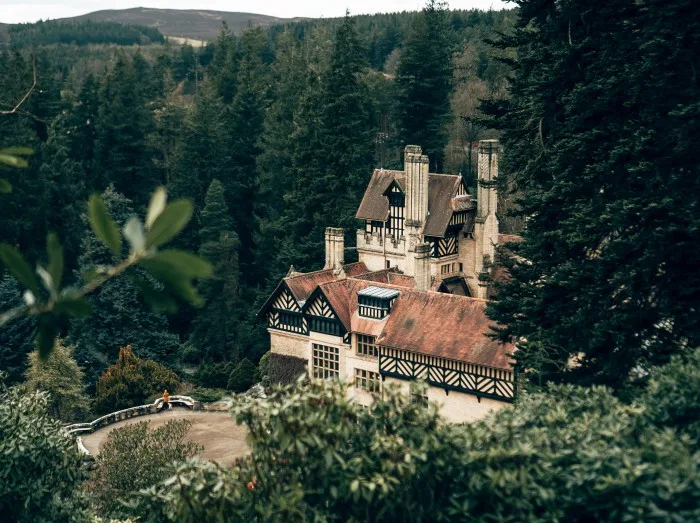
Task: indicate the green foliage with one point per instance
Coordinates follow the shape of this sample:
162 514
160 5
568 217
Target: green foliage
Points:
40 464
206 395
215 331
136 457
242 377
81 32
424 81
214 375
599 138
673 395
262 371
573 454
130 381
60 376
16 337
285 370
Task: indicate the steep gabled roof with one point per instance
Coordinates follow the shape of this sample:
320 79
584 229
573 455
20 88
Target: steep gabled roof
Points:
442 199
447 326
301 285
390 277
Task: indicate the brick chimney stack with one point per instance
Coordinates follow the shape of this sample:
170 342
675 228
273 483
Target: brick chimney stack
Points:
422 267
335 248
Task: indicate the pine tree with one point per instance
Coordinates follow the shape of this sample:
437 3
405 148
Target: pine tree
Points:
120 317
424 82
600 135
62 378
215 330
247 114
124 123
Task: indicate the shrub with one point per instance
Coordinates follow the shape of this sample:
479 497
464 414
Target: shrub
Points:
136 457
208 395
242 377
214 375
190 354
285 370
262 372
130 382
59 376
576 454
40 468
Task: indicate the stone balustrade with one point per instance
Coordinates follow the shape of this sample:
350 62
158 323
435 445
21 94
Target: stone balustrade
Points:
120 415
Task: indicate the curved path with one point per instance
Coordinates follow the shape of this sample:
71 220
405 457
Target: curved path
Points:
217 432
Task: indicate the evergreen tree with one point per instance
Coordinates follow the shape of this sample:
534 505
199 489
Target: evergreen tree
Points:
600 135
424 82
332 152
242 377
215 329
247 115
124 123
60 376
120 317
17 336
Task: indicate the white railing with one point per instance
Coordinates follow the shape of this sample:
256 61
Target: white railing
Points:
140 410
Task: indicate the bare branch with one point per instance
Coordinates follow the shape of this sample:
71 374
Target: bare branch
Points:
27 95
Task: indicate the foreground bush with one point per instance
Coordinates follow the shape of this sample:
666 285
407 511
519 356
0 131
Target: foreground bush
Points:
40 468
131 381
136 457
575 454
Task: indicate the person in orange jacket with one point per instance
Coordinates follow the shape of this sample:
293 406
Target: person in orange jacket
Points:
166 400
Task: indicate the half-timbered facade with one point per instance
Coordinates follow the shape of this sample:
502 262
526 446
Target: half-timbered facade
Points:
402 209
412 308
371 328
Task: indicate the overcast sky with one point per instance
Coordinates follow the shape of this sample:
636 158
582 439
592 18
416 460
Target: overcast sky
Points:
13 11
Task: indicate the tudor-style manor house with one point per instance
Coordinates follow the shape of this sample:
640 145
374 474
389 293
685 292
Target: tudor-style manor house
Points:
413 307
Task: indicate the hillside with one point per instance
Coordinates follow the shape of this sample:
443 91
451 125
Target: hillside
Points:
191 23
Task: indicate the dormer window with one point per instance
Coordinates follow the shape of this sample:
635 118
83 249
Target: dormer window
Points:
375 302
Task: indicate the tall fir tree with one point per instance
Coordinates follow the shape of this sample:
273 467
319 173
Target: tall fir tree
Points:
120 317
424 82
122 150
600 136
215 331
247 113
332 152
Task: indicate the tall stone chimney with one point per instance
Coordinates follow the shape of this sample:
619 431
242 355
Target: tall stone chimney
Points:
335 248
422 267
487 172
416 166
486 223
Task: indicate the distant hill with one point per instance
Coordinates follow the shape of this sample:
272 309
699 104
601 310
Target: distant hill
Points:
190 23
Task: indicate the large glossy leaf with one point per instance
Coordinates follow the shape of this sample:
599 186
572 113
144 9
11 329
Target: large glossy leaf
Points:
19 268
158 299
174 281
5 186
73 306
103 226
180 262
170 222
133 232
156 207
55 252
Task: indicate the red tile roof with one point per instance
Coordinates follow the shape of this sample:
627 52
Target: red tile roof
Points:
303 284
432 323
388 276
446 326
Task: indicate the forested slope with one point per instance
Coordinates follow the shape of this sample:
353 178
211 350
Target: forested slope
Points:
272 134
